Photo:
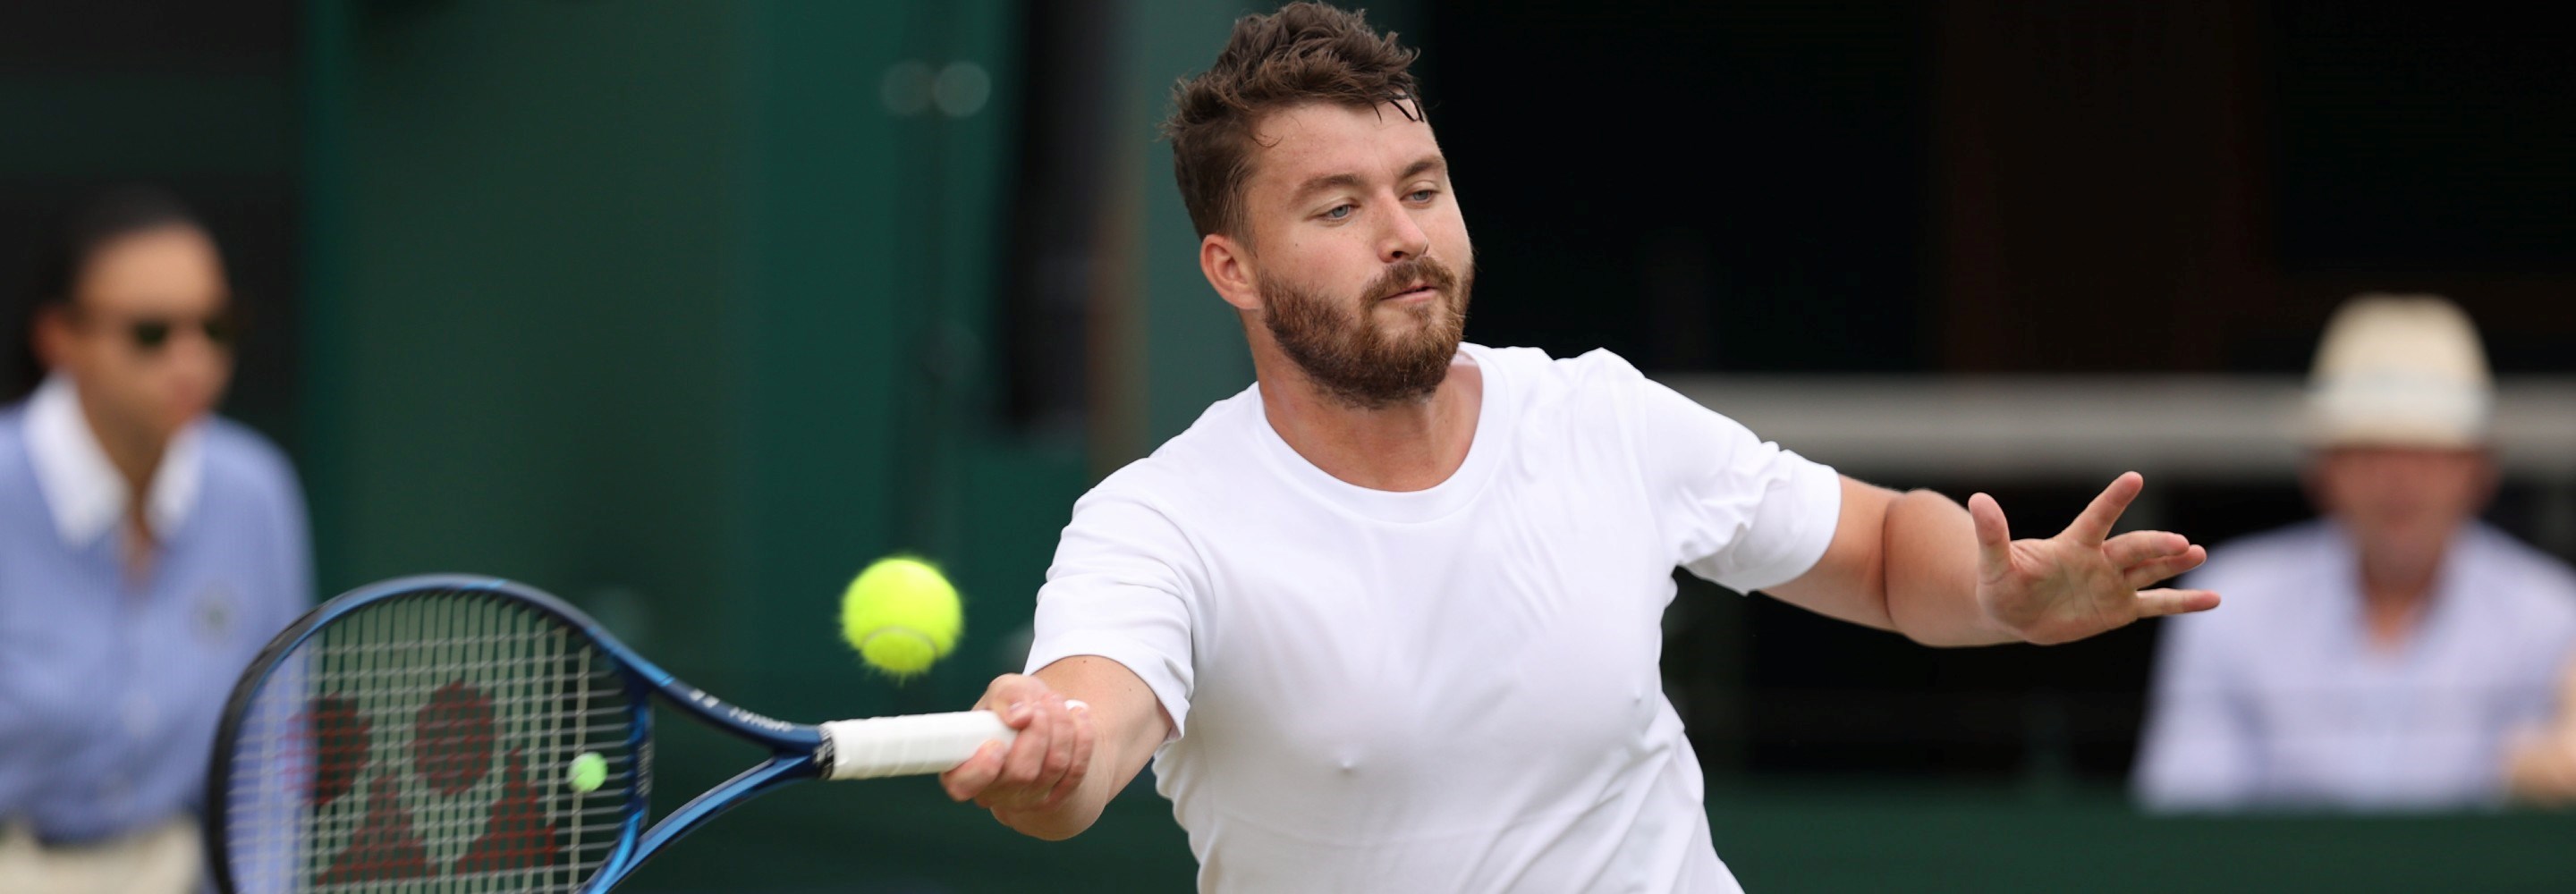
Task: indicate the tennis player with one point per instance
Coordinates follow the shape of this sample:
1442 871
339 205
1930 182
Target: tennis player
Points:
1388 620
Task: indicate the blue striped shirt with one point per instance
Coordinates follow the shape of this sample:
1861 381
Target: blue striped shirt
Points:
111 686
2278 700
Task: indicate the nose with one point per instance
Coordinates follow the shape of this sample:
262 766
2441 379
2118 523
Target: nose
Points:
191 347
197 362
1403 237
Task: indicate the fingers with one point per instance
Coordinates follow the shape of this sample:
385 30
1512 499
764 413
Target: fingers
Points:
2095 524
1082 738
1039 760
1007 690
1027 760
2145 557
2148 572
969 779
1994 538
2156 603
2138 547
1005 775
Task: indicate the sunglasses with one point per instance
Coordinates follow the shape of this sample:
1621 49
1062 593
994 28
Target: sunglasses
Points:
151 334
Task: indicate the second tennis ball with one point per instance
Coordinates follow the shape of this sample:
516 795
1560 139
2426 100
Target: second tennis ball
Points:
901 614
587 773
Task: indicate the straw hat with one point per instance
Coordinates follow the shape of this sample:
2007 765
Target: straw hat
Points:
2399 371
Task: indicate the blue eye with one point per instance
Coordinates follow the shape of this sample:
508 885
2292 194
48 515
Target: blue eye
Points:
1421 195
1339 212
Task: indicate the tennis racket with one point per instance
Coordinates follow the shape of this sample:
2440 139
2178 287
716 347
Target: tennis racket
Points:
451 733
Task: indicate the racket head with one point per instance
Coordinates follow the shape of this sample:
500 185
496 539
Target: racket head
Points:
426 731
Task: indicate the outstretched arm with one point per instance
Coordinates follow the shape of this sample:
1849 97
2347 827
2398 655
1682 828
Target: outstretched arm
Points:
1086 727
2540 763
1918 564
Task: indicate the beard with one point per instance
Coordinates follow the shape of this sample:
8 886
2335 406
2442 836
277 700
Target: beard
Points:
1358 362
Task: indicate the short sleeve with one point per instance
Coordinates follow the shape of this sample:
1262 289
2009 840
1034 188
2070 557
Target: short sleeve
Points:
1734 509
1121 588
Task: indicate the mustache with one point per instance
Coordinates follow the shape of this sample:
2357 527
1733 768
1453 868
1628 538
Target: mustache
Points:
1410 273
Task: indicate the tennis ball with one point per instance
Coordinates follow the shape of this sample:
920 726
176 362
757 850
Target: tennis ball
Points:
588 772
901 615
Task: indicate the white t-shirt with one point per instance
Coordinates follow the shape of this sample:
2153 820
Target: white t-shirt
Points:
1453 689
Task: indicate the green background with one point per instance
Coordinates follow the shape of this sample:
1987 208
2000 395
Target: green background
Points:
658 306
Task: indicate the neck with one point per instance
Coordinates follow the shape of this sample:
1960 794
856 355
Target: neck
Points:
1406 447
137 458
2403 586
2394 594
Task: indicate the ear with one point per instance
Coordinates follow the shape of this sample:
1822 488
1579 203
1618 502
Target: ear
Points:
1227 264
2312 480
52 336
2490 479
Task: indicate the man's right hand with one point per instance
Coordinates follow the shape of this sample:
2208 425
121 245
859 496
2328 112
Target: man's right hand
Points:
1041 768
1070 758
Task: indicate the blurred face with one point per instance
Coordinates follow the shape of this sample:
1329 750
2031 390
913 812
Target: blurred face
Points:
2401 503
1358 254
145 335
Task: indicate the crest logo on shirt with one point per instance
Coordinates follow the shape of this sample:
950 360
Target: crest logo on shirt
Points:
216 609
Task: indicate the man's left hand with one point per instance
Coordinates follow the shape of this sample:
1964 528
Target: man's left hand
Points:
2082 581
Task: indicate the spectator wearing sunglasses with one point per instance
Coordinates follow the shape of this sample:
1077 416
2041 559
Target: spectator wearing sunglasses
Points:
148 548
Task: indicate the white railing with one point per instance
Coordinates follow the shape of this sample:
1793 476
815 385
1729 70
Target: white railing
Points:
2061 428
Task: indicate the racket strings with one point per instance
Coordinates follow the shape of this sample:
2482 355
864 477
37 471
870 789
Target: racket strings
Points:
423 743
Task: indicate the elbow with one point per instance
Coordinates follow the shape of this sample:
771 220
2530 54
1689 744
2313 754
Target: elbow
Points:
1940 642
1051 831
1059 824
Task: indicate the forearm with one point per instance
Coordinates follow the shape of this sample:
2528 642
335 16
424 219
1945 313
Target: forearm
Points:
1929 546
2540 763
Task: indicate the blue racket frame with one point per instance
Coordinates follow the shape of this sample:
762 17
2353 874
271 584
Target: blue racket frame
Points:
799 752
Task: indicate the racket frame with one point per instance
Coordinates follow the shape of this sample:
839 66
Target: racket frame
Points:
798 752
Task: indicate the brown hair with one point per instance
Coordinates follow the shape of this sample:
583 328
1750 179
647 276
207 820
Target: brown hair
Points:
1304 53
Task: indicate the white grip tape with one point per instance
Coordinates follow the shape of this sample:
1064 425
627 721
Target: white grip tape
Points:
910 745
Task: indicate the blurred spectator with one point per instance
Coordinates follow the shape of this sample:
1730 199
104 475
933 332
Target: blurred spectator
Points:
2395 654
147 549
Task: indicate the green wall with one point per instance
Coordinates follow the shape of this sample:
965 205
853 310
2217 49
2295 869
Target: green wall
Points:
658 306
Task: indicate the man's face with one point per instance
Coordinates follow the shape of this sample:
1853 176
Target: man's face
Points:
2402 503
1358 250
137 337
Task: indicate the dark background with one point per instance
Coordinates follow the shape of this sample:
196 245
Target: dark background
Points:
1972 187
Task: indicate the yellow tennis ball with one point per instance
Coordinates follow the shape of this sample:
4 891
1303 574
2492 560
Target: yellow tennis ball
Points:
901 614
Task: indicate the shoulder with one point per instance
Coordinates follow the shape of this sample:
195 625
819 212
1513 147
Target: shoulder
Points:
13 456
1200 460
2264 577
237 453
2542 586
2287 553
1594 392
246 471
1533 369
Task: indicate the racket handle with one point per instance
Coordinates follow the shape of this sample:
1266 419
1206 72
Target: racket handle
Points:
910 745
